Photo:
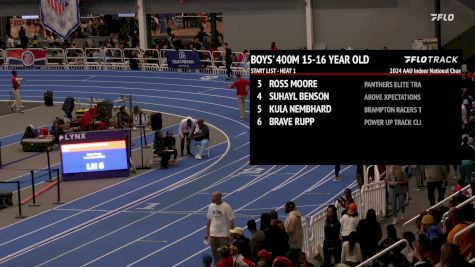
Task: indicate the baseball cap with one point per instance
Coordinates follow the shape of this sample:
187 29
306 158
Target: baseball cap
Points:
237 230
427 219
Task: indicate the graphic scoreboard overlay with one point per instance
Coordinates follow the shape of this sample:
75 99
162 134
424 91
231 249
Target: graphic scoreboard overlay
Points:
355 107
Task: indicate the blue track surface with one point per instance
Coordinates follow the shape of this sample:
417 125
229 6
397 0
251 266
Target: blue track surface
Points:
158 218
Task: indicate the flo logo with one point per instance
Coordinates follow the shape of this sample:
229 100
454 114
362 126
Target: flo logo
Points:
442 17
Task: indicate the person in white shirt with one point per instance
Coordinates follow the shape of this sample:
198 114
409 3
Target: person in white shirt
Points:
349 221
351 251
187 125
220 221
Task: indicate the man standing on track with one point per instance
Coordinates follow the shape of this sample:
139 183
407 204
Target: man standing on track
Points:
187 125
16 92
241 92
220 221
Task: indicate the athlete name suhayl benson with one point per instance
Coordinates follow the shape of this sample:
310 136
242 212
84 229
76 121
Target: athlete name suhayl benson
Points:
300 108
299 96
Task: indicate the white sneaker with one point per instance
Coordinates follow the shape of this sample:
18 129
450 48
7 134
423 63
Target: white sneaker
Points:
198 156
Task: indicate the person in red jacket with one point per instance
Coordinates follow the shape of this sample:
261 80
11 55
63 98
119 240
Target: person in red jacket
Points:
16 92
241 92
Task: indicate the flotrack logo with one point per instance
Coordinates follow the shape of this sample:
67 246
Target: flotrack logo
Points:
442 17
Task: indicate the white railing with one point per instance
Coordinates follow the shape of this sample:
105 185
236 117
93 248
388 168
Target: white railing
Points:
446 214
306 247
115 66
117 59
317 231
75 56
435 206
384 251
151 56
55 56
113 55
94 55
373 196
128 52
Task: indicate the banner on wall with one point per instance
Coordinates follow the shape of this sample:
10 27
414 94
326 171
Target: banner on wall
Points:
183 59
26 57
60 16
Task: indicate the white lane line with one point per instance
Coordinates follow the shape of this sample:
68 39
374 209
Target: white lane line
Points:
243 145
239 135
71 81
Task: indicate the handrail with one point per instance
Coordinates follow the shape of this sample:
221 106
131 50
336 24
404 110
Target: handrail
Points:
435 206
151 59
384 251
446 214
463 231
365 174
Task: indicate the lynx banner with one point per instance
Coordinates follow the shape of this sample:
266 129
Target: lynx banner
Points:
60 16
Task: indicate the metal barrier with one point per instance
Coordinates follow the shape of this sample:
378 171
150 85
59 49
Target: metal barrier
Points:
317 230
55 56
384 251
20 214
75 56
373 196
115 66
446 214
128 52
94 55
435 206
113 55
116 59
151 56
306 247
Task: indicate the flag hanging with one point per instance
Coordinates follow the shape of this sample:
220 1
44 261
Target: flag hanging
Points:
60 16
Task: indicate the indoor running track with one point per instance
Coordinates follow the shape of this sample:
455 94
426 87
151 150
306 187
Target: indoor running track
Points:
158 218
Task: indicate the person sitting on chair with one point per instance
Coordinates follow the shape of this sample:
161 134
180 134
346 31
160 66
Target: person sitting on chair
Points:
171 142
123 118
160 149
200 137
